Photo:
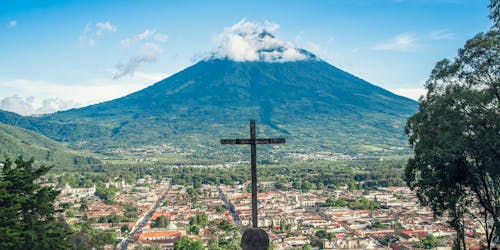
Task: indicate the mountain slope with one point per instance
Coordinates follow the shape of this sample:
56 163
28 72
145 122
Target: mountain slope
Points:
16 141
315 105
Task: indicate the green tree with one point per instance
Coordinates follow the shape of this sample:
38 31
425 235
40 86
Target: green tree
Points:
194 229
152 247
455 135
213 244
84 204
186 243
199 219
100 238
27 209
70 213
161 221
107 195
124 229
430 242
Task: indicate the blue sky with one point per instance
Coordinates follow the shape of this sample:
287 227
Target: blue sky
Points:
62 54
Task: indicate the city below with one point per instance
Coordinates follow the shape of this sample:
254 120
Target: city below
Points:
156 213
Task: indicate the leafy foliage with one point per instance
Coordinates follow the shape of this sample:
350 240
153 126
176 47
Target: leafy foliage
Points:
456 135
27 210
161 222
362 203
107 195
200 219
88 238
186 243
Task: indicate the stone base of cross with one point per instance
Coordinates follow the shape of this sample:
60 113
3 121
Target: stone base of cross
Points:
255 239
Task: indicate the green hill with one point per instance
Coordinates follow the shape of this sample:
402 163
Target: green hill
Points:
16 141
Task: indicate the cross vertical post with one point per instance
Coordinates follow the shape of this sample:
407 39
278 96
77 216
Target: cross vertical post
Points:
253 165
253 141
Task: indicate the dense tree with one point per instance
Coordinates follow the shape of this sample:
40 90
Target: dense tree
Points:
455 135
213 244
200 219
84 204
194 229
107 195
87 238
161 221
186 243
430 242
27 209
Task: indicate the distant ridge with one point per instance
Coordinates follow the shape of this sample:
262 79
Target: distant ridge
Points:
15 141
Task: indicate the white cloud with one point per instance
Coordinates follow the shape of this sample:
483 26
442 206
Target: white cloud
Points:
89 37
46 97
143 36
105 27
400 42
85 41
149 52
161 37
17 104
11 24
249 41
32 105
441 35
313 47
412 93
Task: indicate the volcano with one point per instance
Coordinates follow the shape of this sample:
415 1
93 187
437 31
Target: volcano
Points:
313 104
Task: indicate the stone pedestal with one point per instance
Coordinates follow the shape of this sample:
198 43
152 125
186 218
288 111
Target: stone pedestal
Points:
255 239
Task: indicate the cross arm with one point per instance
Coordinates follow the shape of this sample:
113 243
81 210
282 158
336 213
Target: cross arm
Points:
235 141
270 141
257 141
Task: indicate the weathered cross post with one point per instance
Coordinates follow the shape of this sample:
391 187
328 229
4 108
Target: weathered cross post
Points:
253 141
254 238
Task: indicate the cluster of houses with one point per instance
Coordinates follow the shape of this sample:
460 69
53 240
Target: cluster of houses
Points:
293 219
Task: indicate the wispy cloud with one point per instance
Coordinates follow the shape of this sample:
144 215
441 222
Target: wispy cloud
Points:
148 54
400 42
105 27
28 96
90 33
156 36
252 41
441 35
11 24
32 105
160 37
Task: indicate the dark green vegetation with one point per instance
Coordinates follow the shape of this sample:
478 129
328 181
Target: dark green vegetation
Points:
356 174
362 203
107 195
28 214
456 135
361 174
160 222
16 141
186 243
314 105
27 210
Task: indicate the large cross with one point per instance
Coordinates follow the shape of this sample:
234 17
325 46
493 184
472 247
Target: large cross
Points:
253 141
